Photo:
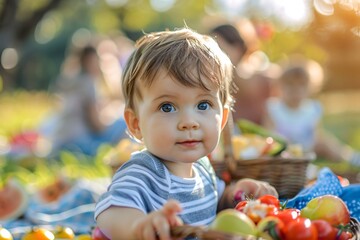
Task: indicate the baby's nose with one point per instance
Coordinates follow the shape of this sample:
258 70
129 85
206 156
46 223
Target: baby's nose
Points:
187 123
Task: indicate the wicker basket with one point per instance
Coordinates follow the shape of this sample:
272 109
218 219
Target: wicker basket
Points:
287 175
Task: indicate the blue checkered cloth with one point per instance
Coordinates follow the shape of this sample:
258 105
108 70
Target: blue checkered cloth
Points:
75 210
328 183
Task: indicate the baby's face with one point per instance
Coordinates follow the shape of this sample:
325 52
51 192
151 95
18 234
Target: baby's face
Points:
178 123
294 93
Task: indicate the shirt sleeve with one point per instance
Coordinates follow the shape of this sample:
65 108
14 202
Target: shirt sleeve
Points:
135 185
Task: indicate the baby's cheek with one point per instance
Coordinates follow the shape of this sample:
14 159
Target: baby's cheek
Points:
159 140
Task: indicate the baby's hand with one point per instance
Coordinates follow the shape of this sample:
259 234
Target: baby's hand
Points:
156 225
254 188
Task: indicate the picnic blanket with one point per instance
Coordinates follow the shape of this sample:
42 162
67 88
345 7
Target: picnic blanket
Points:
328 183
75 209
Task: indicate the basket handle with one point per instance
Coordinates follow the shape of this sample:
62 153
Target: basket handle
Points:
227 142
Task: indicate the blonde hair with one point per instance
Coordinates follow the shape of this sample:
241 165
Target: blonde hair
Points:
188 57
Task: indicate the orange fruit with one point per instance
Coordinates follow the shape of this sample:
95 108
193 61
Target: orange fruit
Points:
64 233
84 237
38 234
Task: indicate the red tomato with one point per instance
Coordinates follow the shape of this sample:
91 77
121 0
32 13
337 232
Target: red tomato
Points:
301 229
241 205
344 236
324 229
272 210
288 215
270 200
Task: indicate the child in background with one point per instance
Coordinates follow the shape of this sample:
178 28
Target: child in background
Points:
176 90
297 117
293 115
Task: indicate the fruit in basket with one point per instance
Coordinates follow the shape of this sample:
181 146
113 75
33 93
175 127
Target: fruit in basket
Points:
270 200
14 200
279 144
344 235
270 228
328 207
247 146
38 233
256 210
324 229
234 222
288 215
5 234
64 232
301 229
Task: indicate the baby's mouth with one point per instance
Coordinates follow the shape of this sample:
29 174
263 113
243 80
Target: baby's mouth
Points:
189 143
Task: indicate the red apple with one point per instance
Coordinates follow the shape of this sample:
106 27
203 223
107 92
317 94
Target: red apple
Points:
328 207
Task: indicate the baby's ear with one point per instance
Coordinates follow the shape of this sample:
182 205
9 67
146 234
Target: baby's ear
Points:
132 123
225 116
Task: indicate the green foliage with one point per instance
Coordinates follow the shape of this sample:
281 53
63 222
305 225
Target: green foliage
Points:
345 127
285 43
23 110
77 165
45 171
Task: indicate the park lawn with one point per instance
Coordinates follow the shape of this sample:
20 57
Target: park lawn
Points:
25 110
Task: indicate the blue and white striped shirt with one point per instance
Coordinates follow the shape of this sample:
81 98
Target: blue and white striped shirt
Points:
145 183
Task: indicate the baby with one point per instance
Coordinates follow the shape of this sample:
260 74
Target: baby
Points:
176 90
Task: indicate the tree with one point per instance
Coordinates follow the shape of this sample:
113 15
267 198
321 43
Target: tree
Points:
338 34
133 18
15 30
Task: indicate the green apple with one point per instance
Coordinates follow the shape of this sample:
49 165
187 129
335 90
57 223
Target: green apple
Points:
234 222
328 207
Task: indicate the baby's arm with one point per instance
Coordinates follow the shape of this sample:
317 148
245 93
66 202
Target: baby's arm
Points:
130 223
249 187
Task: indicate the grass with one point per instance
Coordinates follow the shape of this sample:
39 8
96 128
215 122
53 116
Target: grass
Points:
26 110
21 111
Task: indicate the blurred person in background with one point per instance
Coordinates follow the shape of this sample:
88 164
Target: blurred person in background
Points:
255 80
296 115
293 114
253 73
79 125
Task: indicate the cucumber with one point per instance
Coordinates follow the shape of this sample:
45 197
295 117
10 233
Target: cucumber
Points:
247 126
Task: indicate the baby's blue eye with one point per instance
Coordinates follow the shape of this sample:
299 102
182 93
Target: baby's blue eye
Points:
203 106
167 107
